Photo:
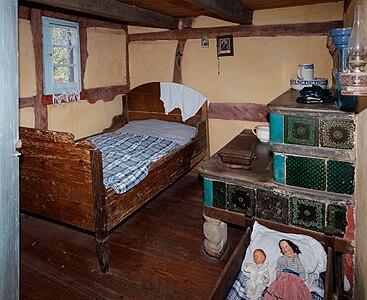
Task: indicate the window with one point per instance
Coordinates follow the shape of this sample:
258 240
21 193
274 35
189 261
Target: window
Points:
61 57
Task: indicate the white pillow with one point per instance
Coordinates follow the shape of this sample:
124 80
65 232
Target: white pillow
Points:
313 255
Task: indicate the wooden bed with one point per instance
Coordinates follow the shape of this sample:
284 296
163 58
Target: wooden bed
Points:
61 179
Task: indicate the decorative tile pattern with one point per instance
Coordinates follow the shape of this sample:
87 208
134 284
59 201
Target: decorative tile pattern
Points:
337 134
239 199
219 194
306 172
276 128
208 192
337 217
308 214
302 131
340 177
272 206
278 168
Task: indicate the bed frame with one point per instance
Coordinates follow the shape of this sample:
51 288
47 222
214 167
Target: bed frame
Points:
61 179
229 274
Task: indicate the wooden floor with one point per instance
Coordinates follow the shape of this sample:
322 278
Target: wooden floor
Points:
156 254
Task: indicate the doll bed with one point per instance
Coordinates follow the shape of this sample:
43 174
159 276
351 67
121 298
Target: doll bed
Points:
232 271
312 256
62 179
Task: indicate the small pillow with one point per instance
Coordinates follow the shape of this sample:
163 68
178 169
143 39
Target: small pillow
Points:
313 255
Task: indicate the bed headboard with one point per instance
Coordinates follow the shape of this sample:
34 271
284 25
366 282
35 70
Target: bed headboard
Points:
143 102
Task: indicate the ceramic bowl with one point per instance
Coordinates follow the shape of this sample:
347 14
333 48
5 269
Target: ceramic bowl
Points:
298 84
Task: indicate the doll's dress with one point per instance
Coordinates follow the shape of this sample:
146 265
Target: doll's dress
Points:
290 284
258 277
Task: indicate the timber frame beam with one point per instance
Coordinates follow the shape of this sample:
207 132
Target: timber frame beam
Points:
114 10
302 29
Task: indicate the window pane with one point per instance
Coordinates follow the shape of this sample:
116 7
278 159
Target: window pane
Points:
63 74
61 36
62 56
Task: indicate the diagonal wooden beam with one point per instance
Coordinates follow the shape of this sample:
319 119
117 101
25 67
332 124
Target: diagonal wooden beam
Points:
115 10
229 10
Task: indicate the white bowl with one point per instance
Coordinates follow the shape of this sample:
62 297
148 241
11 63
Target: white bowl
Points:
298 84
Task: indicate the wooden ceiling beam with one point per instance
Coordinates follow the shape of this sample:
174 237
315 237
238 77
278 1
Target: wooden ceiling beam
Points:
114 10
229 10
300 29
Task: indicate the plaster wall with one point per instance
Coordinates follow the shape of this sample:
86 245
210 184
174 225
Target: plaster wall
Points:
300 14
258 72
26 117
106 63
27 67
82 118
151 61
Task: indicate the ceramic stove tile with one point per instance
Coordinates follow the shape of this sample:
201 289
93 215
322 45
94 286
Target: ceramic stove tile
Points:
337 134
340 177
308 214
272 206
301 131
240 199
337 217
306 172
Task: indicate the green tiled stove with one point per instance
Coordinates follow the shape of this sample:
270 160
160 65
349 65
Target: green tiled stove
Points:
313 149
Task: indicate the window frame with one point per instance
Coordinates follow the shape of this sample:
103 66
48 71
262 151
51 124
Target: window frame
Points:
49 85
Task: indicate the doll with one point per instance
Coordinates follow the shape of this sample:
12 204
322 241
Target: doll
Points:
290 275
258 275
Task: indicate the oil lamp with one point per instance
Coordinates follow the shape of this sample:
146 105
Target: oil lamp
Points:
357 47
355 81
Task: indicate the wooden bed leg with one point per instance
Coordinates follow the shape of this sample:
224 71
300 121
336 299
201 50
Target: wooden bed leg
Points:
215 232
103 252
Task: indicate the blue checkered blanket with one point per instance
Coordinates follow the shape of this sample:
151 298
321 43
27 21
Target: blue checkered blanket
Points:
127 157
238 290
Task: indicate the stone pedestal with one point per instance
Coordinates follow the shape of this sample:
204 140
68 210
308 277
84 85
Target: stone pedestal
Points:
215 233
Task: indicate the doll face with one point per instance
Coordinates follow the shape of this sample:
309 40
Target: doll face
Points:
259 257
286 249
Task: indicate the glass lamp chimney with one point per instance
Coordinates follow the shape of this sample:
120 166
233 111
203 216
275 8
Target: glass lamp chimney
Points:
357 47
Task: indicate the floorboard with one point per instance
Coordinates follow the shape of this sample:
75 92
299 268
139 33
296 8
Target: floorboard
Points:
156 254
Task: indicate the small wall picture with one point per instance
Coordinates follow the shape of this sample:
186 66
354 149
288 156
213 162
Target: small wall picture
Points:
204 42
225 45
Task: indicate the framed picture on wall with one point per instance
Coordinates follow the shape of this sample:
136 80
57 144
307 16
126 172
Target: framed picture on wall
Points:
225 45
204 42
